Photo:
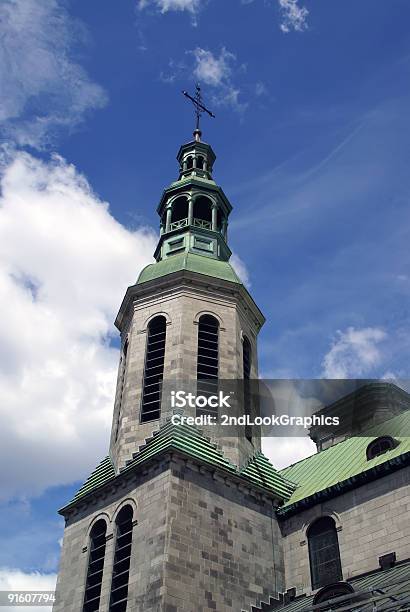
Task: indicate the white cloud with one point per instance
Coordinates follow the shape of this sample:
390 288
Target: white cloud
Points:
165 6
213 70
217 71
284 451
43 89
354 353
260 89
294 16
65 262
16 580
240 268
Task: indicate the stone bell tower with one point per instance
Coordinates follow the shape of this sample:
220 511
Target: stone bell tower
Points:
188 315
178 518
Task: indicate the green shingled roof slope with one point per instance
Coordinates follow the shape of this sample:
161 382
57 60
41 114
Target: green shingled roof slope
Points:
192 263
192 442
345 460
260 471
102 474
185 438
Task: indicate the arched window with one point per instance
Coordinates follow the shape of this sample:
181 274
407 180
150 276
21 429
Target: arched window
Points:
200 162
247 356
203 212
379 446
189 162
208 357
334 591
95 567
122 560
123 365
179 209
154 369
324 555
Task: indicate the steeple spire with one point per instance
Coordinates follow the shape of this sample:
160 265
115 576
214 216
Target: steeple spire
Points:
199 110
194 210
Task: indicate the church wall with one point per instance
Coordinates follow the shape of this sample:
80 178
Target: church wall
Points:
224 550
182 309
150 499
198 544
372 520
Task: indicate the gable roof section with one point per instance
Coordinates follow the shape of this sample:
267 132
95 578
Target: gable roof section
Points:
191 442
345 465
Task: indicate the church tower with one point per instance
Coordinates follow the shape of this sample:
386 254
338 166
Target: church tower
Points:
179 517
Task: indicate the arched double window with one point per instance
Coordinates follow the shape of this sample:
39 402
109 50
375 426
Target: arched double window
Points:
95 567
154 369
122 560
324 555
247 357
208 357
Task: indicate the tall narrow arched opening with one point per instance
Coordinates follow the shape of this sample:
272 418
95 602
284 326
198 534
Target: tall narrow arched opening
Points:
154 369
247 361
95 570
203 212
123 367
200 162
190 162
324 555
179 209
208 358
122 560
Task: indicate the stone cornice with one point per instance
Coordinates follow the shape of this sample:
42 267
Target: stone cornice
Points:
185 278
167 459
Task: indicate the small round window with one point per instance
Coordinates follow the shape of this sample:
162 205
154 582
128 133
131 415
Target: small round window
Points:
379 446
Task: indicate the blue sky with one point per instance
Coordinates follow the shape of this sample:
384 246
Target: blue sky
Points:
312 136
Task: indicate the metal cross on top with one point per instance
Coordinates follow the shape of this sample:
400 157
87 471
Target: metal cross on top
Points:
199 109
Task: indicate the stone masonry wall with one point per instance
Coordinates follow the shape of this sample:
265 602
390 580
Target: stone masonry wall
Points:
149 499
198 544
224 550
372 520
182 309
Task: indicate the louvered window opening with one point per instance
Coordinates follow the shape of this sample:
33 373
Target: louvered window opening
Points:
95 567
123 367
208 360
154 370
325 566
246 385
122 560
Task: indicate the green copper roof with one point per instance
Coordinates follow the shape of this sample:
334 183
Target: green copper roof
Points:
345 460
260 471
192 263
186 438
102 474
192 442
387 585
